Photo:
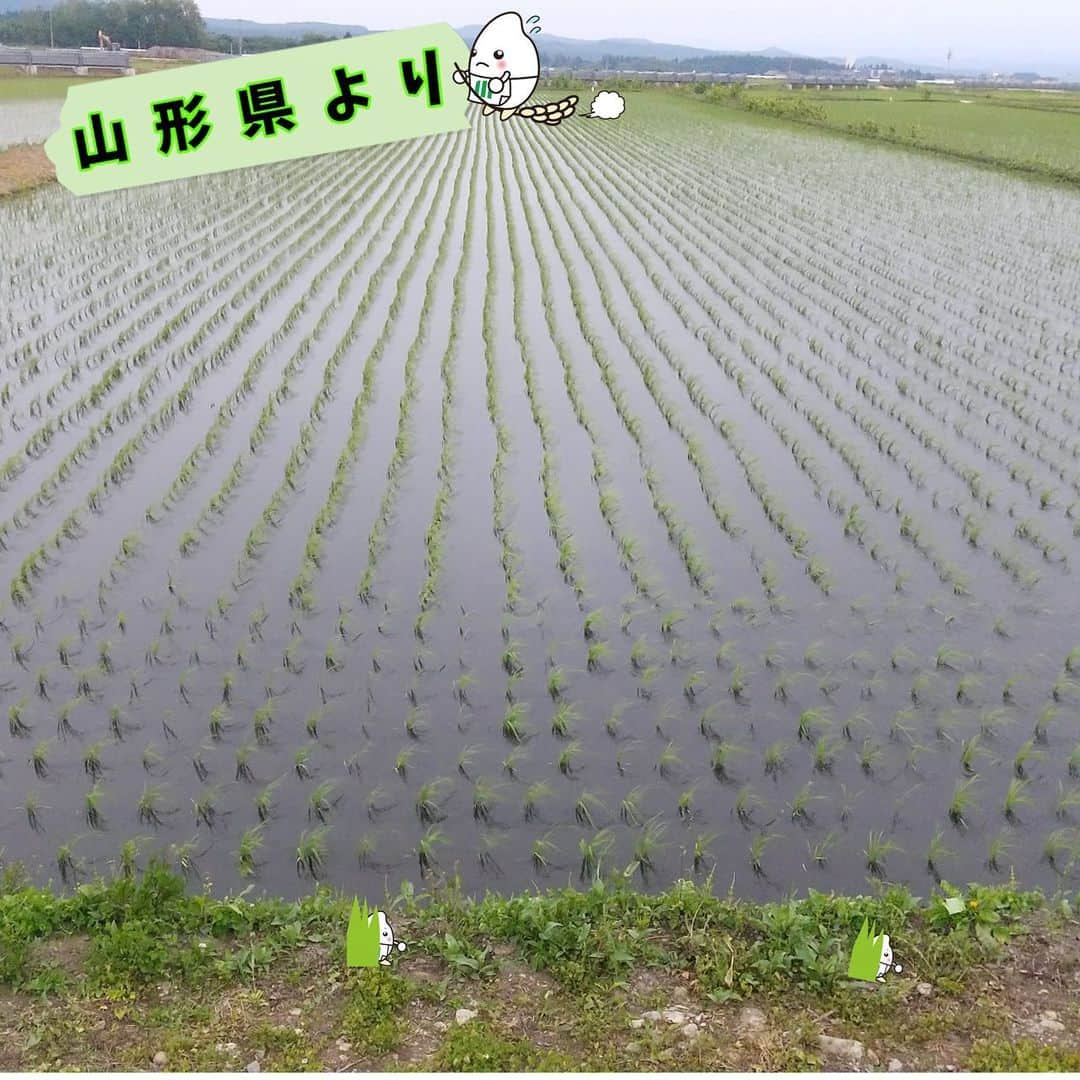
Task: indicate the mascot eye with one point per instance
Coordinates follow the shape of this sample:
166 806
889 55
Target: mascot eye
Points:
474 52
499 54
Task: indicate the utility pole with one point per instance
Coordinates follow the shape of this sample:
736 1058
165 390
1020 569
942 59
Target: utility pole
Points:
51 45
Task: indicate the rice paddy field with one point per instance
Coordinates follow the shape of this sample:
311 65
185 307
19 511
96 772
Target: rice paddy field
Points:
30 106
1027 129
656 498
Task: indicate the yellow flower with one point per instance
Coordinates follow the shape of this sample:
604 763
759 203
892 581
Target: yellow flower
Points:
973 904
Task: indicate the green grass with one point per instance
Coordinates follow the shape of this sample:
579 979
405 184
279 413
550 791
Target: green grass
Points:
480 1047
1022 1056
372 1017
1023 130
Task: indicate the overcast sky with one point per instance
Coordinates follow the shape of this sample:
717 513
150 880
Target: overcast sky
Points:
978 31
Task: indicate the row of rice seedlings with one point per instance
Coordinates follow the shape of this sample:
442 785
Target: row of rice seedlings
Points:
219 501
162 418
402 451
696 565
905 283
792 533
302 592
182 236
510 558
947 573
943 569
130 360
435 534
554 507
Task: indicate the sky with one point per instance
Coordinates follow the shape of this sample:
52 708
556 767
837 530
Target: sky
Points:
1009 33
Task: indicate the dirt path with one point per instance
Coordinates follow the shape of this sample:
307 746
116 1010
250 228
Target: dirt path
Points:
23 168
1020 1011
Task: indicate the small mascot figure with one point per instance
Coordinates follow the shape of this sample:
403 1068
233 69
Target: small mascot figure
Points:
504 68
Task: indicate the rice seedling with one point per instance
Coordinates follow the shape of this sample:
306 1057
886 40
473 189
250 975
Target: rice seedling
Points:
311 852
92 807
403 761
991 721
64 728
1025 755
937 852
535 793
962 802
302 762
484 798
810 722
149 807
801 801
725 654
721 759
1047 716
646 680
427 848
584 807
1015 797
429 800
877 850
746 803
513 725
594 620
567 760
1073 764
32 807
1067 799
556 682
825 750
563 720
996 851
322 800
646 845
39 759
205 807
264 801
511 658
847 803
67 865
630 812
669 761
775 757
17 725
694 685
593 851
185 857
819 849
670 620
1060 849
597 655
245 857
737 684
543 851
757 851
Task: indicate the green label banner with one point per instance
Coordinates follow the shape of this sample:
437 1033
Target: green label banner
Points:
229 114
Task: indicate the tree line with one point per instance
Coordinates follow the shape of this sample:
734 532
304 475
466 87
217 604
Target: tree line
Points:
131 24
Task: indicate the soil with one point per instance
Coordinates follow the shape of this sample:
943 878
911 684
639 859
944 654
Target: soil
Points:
292 1018
23 168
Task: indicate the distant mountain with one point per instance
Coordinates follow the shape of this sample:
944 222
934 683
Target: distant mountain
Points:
550 44
781 54
295 30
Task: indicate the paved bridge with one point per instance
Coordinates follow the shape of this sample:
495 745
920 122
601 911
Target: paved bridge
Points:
81 61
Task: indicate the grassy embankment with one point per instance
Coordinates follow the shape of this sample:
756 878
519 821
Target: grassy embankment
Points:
1025 131
25 166
122 971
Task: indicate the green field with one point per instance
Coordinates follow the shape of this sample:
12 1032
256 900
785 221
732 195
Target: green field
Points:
1029 130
